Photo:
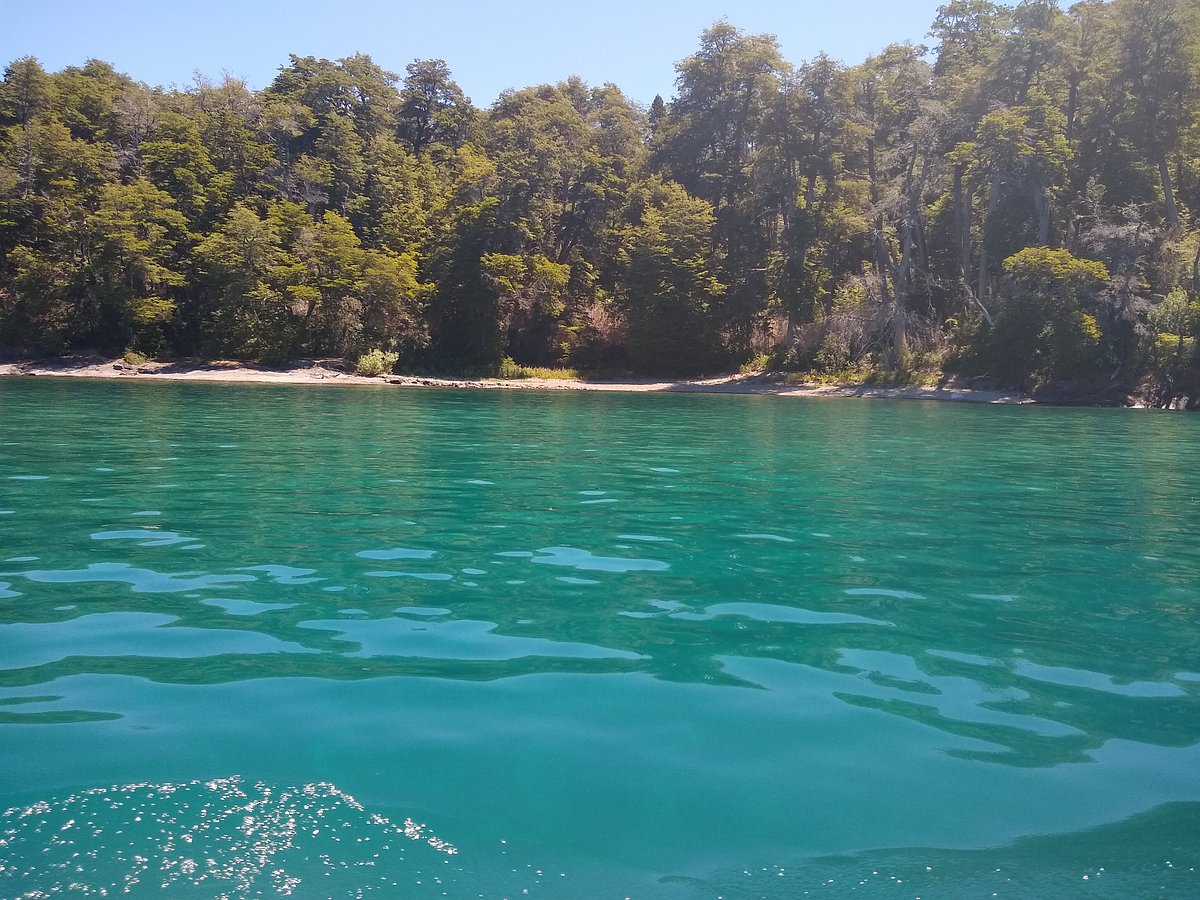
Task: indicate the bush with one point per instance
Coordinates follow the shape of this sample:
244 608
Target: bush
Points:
760 362
376 362
549 374
509 368
835 354
1042 334
134 358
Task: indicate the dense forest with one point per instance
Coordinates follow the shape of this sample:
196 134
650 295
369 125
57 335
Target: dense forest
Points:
1018 201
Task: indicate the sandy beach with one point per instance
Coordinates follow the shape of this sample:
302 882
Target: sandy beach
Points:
328 373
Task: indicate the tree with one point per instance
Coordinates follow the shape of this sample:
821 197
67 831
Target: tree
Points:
393 304
134 267
24 97
819 212
1176 324
708 145
174 159
465 313
433 108
1158 97
900 137
668 288
801 194
1042 333
243 310
1020 155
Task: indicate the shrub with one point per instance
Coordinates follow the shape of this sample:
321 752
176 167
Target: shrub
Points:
1175 322
510 369
835 353
1042 333
544 372
376 362
134 358
760 362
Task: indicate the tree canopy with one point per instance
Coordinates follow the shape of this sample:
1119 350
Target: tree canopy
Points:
1018 200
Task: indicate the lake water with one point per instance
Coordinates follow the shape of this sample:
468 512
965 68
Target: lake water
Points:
262 640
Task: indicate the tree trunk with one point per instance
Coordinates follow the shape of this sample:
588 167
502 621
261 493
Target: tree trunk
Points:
962 228
300 335
900 278
1196 272
897 297
810 189
1164 171
882 262
992 201
28 187
1072 107
1041 206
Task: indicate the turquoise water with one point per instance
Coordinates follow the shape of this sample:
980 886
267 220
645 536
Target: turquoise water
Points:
266 641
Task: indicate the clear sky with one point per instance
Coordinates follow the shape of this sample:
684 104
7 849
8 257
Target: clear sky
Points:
489 46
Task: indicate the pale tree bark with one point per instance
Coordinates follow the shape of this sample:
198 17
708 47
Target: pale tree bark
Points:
1196 271
962 227
1164 171
992 202
1041 207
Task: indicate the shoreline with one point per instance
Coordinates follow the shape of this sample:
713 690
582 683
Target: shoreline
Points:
325 373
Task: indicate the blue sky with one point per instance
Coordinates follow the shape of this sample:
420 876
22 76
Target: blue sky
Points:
488 46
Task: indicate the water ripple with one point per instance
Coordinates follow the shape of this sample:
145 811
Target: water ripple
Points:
125 634
575 558
395 553
144 536
143 581
457 639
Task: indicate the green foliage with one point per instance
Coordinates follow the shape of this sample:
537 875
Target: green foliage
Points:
376 362
551 374
759 362
834 354
433 109
510 369
1041 333
506 271
1029 193
668 287
1176 324
1178 314
1055 272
